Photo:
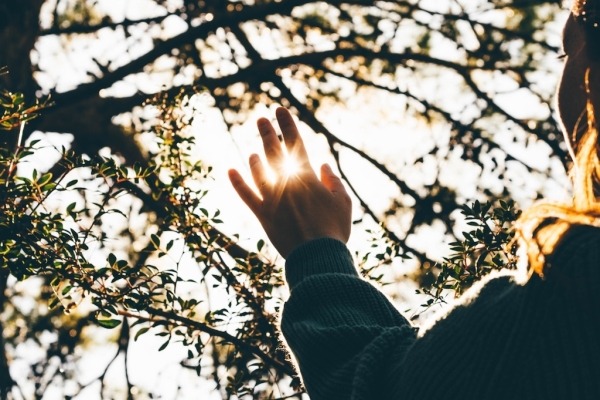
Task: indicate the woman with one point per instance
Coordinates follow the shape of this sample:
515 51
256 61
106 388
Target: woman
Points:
538 340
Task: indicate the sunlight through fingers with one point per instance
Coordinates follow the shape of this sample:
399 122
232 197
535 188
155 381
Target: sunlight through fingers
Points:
290 166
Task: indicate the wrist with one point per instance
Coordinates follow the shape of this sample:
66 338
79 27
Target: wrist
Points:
324 255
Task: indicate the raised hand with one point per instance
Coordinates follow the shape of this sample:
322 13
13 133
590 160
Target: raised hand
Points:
294 207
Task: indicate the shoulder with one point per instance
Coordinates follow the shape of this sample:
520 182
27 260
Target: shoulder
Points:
482 297
578 236
572 273
579 245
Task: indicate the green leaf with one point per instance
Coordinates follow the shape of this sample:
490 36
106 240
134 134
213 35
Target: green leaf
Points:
53 303
45 179
141 332
109 323
71 207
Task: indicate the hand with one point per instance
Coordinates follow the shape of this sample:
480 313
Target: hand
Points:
298 207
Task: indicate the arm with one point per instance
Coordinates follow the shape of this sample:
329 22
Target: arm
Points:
345 335
339 327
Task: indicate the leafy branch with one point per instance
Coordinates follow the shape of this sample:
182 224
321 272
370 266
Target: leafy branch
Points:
488 246
41 239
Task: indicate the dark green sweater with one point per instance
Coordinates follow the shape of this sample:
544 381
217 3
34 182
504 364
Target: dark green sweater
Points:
540 340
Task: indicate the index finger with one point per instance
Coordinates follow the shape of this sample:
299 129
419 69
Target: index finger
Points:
291 136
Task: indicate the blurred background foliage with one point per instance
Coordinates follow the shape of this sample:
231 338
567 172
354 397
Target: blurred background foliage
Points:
455 103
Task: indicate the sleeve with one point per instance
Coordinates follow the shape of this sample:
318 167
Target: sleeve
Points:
340 328
573 270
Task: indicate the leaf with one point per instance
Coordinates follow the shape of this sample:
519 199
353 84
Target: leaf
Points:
45 178
71 207
53 303
155 240
141 332
164 345
109 323
112 259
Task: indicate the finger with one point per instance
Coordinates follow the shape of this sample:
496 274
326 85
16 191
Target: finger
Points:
245 192
331 181
271 144
291 136
259 174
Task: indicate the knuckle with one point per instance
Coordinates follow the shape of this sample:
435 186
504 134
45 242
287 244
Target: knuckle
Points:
346 198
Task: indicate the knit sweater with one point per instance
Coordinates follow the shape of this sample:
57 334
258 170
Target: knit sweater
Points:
539 340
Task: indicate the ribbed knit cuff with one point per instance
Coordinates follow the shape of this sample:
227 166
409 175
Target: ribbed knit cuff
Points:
319 256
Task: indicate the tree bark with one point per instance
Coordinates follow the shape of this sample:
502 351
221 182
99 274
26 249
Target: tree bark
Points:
19 28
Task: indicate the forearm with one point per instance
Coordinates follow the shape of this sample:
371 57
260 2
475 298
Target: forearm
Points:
336 323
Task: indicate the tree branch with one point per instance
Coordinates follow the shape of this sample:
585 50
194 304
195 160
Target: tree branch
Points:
171 316
460 127
257 12
85 28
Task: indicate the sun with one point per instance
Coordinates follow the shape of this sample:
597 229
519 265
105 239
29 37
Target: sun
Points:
290 166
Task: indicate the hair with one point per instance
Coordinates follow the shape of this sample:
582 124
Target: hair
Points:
587 11
541 227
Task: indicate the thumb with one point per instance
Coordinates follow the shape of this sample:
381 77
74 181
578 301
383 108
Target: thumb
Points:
330 180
